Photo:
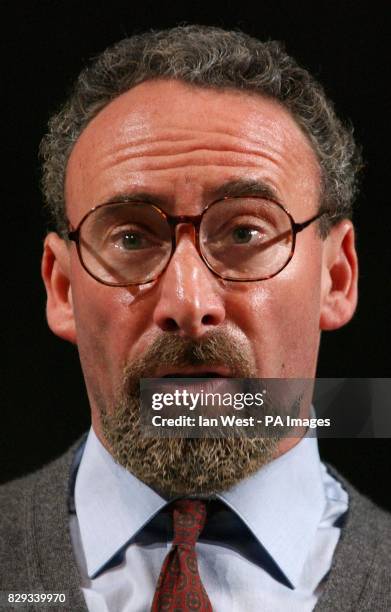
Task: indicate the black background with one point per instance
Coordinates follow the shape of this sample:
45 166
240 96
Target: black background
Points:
44 46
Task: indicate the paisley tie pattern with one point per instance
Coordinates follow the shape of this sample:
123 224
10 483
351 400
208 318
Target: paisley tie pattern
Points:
179 587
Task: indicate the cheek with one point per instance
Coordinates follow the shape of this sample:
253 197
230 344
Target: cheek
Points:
109 324
101 328
280 317
93 340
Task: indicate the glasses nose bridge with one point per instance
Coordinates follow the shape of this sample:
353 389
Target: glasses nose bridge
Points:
176 223
194 220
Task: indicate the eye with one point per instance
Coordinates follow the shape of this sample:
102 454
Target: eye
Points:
245 230
130 241
243 235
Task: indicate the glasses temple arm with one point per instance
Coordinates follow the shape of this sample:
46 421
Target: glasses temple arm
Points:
298 227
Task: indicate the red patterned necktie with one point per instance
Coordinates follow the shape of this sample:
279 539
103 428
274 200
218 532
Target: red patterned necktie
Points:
179 588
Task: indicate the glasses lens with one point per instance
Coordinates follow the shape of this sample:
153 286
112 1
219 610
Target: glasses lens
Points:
246 238
125 243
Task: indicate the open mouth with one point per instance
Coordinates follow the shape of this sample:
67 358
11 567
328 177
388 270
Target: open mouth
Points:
196 380
195 371
206 374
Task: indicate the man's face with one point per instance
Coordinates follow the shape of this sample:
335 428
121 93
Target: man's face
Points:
180 145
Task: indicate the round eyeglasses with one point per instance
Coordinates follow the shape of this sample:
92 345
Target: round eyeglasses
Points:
239 239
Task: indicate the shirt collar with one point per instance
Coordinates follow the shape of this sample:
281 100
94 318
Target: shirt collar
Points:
282 504
111 504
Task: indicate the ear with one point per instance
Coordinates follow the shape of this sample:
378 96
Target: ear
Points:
55 271
339 278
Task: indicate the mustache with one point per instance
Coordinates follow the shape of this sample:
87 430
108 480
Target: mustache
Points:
214 349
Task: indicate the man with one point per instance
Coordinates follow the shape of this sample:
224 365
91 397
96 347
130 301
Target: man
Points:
201 186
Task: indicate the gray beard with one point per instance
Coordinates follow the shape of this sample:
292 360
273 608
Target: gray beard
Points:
183 466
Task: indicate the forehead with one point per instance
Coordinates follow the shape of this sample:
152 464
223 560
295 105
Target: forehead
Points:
171 138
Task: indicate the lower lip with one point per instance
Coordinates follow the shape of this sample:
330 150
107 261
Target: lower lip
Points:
196 385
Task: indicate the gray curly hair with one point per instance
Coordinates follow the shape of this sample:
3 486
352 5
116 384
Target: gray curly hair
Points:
210 57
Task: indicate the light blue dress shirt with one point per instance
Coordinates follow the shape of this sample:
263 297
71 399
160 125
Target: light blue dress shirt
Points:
268 547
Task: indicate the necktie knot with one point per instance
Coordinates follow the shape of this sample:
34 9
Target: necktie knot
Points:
189 517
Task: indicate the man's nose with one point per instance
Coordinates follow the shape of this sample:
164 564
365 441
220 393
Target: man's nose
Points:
190 300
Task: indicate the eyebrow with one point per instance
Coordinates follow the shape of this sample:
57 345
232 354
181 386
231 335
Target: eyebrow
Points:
233 188
139 196
243 187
